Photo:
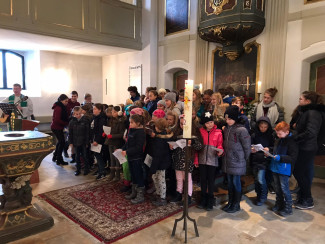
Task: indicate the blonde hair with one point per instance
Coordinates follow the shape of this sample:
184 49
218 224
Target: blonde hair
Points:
128 101
171 113
218 97
197 102
220 107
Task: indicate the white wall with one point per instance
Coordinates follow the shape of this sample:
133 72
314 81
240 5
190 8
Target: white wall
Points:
63 73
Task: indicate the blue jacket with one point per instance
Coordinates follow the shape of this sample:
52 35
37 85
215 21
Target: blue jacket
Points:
287 149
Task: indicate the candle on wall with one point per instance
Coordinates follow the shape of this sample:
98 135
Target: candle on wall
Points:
259 86
247 84
188 94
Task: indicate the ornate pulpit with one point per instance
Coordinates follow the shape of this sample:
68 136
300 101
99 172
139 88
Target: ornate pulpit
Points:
21 153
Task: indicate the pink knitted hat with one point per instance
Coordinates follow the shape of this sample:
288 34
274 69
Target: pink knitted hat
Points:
138 111
159 113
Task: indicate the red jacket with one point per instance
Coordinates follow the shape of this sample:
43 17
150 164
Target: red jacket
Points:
58 122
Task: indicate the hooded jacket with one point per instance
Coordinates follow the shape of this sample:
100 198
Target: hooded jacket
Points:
308 126
79 131
266 139
60 116
237 144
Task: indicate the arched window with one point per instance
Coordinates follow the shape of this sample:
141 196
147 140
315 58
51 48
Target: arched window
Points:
12 69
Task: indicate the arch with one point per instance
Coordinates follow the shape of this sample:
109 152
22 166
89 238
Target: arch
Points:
169 69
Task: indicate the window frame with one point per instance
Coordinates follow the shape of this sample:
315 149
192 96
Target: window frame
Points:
4 69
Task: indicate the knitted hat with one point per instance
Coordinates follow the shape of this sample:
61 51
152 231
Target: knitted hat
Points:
206 117
162 102
159 113
170 96
161 90
232 112
138 111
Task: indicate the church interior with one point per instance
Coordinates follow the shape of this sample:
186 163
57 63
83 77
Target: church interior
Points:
102 47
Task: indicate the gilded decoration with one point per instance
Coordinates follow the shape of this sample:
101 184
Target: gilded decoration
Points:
217 5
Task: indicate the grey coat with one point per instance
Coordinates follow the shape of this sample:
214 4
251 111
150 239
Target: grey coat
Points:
237 145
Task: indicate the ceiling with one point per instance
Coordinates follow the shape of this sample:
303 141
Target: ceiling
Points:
15 40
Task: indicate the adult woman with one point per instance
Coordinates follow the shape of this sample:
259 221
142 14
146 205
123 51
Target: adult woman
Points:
311 112
59 121
268 108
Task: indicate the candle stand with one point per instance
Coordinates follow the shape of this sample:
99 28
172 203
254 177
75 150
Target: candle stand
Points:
258 97
185 215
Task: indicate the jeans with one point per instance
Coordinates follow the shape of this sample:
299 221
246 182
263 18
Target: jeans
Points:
136 170
82 151
234 183
60 144
100 163
207 177
282 191
114 162
304 173
260 183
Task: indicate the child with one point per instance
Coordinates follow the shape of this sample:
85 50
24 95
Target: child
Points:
208 159
98 122
285 154
170 100
237 146
239 102
161 160
178 156
133 148
152 104
161 105
115 140
79 138
172 120
219 109
263 136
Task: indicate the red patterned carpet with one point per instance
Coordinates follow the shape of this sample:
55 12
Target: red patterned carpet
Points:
101 209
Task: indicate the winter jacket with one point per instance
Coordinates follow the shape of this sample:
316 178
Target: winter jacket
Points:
308 126
254 115
134 145
211 139
161 155
71 105
237 144
266 139
79 131
152 106
117 131
178 154
287 149
60 116
97 132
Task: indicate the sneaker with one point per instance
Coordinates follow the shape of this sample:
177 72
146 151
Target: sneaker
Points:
305 205
77 173
86 172
160 202
125 188
100 177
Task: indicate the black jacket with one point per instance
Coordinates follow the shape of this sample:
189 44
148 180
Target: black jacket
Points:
134 145
308 126
117 131
79 131
97 132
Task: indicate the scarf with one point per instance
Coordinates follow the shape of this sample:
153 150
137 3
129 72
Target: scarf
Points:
272 113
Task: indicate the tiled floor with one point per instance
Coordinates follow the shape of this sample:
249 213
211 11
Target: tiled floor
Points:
251 225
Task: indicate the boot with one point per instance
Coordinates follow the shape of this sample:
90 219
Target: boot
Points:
54 157
60 161
133 193
236 204
73 156
111 174
277 207
177 198
117 174
126 186
230 201
287 210
140 196
210 202
203 202
160 202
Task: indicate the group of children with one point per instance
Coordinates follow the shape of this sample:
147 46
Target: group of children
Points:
143 131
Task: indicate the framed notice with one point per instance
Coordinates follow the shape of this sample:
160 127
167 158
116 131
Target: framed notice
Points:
135 76
176 16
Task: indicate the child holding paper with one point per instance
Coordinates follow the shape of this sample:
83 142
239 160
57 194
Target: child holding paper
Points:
115 140
134 149
285 155
98 122
208 159
263 135
161 160
237 146
178 156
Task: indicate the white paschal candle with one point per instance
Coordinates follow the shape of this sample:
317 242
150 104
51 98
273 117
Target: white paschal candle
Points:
188 102
259 87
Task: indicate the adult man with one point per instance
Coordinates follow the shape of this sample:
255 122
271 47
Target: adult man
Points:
72 102
26 107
